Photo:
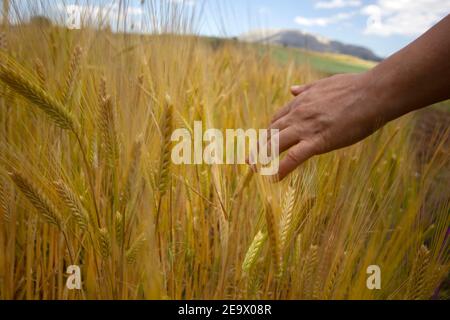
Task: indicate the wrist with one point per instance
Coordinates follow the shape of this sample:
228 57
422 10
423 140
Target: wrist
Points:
383 95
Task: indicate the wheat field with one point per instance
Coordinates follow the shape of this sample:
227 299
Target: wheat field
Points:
86 177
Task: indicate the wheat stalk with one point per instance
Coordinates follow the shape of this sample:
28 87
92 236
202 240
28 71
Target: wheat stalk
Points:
16 78
273 238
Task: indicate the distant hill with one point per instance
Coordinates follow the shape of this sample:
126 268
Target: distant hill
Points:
300 39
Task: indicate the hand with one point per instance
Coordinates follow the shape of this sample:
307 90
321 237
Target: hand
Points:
329 114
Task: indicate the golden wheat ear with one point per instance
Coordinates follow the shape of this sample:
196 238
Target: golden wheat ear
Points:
5 212
133 251
37 198
104 241
19 80
108 131
73 203
253 251
72 74
166 131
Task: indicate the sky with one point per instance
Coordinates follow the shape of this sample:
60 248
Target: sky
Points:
384 26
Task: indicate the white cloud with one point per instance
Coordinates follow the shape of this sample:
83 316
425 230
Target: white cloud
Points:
323 21
404 17
333 4
78 15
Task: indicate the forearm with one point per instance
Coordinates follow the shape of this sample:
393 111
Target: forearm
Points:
415 77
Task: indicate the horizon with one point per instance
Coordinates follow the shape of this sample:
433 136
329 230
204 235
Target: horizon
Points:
383 26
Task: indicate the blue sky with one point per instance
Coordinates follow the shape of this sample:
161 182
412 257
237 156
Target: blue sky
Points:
384 26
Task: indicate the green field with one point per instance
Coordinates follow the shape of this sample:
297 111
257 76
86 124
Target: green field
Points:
323 62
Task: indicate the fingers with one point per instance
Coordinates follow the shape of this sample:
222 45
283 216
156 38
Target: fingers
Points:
295 156
286 139
297 90
280 124
283 111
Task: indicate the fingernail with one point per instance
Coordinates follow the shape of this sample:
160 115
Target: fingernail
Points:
295 88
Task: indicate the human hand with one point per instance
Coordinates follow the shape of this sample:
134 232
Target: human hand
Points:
329 114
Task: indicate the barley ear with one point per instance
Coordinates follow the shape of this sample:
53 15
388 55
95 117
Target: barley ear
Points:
40 72
133 251
3 41
73 203
37 198
166 131
253 251
5 212
102 95
418 282
287 219
132 172
15 76
309 270
72 74
108 131
104 243
119 227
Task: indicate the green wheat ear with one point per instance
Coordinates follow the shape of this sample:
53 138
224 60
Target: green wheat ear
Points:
18 79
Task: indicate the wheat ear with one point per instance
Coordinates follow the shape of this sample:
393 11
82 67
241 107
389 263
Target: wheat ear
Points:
42 204
104 243
132 171
418 279
16 78
286 226
253 251
309 268
166 131
333 277
108 131
133 251
3 41
119 227
40 72
74 69
73 203
4 200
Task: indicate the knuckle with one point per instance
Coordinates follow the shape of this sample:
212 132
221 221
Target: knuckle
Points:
293 155
319 145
